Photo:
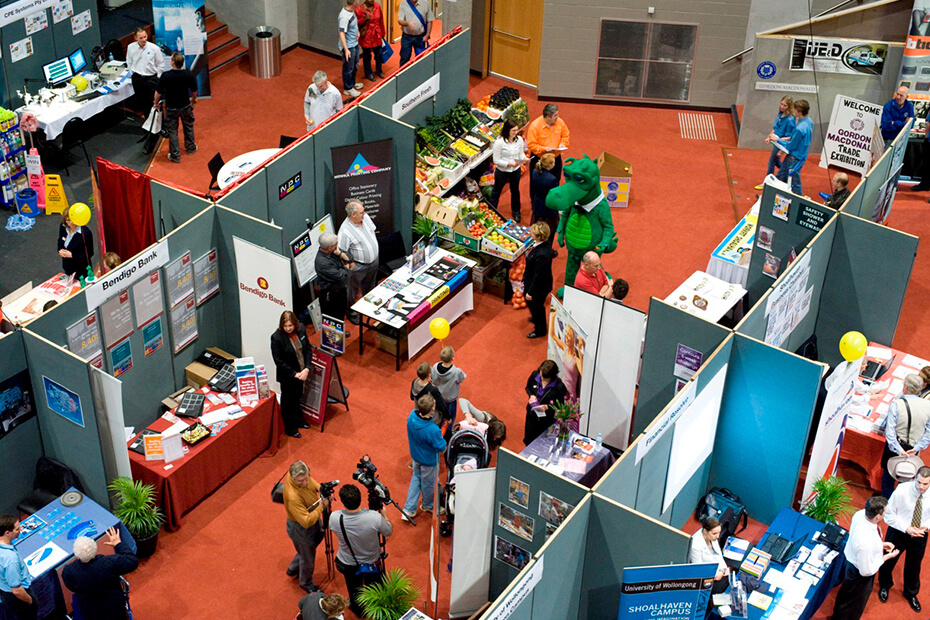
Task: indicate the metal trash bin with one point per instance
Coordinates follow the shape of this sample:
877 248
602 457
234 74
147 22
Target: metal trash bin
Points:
265 51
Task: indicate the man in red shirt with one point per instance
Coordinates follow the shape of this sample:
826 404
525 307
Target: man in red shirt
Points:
591 276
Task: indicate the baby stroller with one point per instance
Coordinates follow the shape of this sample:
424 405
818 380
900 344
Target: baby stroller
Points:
467 448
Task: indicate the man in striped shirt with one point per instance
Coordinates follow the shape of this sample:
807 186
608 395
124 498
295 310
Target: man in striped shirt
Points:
357 239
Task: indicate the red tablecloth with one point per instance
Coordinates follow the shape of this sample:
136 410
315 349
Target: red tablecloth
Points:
210 463
865 449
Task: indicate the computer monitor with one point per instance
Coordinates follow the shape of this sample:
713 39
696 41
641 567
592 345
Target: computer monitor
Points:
58 71
77 60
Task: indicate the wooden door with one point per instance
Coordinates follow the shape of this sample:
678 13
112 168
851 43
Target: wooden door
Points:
516 34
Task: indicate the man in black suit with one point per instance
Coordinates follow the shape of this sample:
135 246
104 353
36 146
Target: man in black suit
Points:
95 579
537 278
332 276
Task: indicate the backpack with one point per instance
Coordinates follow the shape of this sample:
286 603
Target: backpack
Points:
725 506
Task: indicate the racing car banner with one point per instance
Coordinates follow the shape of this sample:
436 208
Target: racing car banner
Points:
838 56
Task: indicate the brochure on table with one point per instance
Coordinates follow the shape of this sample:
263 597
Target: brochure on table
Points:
705 296
403 293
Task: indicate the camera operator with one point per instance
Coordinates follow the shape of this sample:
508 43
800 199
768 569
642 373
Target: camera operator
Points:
304 513
358 530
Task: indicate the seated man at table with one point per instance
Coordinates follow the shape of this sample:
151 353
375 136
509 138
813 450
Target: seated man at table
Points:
95 578
840 191
14 577
908 519
907 427
865 553
592 278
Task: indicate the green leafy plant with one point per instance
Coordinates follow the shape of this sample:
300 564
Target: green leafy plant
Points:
391 598
135 507
831 501
423 226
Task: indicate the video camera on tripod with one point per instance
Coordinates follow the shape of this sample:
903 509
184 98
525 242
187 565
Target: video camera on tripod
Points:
378 494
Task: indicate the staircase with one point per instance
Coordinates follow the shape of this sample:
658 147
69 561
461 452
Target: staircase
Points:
224 50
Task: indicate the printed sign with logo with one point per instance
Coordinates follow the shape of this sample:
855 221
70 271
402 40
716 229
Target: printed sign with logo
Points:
285 189
368 177
766 70
850 139
838 56
916 62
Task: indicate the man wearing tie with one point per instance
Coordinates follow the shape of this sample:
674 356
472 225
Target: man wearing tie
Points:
907 516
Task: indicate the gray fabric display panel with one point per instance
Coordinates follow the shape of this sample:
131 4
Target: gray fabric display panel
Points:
250 196
452 59
870 192
76 446
21 447
538 480
230 224
804 219
65 41
292 206
382 100
621 482
618 538
865 284
172 207
339 131
666 328
374 126
411 79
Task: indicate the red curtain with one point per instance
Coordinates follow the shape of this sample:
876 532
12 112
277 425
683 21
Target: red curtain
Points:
125 209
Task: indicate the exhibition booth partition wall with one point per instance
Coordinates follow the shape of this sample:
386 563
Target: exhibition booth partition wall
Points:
873 196
180 296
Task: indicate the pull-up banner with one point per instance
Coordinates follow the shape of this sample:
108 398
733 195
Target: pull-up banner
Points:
916 52
673 592
363 172
181 25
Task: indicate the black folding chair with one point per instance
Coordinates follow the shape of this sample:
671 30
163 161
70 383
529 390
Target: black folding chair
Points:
285 141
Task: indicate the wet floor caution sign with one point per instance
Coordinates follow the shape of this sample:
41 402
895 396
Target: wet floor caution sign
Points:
55 199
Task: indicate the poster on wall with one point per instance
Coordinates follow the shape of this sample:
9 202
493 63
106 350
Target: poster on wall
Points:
152 337
184 323
828 441
116 316
885 199
305 247
21 49
84 340
63 401
566 346
788 303
16 404
827 55
36 22
121 357
179 278
182 26
916 60
850 139
81 22
147 299
206 276
62 11
363 172
650 592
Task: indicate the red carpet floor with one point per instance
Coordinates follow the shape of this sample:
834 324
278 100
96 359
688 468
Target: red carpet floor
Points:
229 557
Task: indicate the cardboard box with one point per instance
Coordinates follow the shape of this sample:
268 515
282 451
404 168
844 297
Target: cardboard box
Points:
483 273
616 179
442 214
198 374
497 285
172 401
389 344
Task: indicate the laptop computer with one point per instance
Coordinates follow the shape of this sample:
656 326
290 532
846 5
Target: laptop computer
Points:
781 549
874 370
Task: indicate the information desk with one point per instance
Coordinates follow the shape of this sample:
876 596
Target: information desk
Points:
402 306
793 526
241 165
861 444
29 305
181 484
53 117
538 452
705 296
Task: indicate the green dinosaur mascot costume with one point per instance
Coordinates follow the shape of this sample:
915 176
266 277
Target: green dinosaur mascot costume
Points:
584 222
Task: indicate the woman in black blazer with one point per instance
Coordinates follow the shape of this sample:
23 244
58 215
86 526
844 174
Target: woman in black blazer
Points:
542 181
544 389
290 351
537 278
75 246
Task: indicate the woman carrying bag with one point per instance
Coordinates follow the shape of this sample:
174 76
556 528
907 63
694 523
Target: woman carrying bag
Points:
371 36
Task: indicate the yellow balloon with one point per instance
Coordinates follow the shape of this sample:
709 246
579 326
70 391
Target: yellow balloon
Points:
439 328
853 345
79 82
79 214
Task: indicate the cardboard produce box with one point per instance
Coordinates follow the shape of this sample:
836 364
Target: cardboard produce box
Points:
198 374
616 179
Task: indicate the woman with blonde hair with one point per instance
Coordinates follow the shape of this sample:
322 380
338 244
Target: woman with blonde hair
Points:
542 181
783 126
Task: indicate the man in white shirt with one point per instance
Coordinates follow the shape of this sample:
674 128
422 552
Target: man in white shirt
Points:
146 63
865 552
907 516
357 239
321 101
416 28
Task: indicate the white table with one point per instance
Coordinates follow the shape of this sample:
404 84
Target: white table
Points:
705 296
241 165
52 118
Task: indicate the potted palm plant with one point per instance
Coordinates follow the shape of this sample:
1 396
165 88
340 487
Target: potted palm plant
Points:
389 599
135 507
831 500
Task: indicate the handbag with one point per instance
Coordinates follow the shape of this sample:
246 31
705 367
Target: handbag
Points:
386 51
363 568
153 121
277 491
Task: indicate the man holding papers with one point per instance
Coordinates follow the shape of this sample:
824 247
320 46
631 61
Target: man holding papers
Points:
548 134
865 552
907 516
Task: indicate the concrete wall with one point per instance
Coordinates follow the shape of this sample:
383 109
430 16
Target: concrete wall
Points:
317 24
243 15
571 31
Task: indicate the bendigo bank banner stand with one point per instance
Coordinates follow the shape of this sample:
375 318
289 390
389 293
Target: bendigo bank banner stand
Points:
673 592
363 172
